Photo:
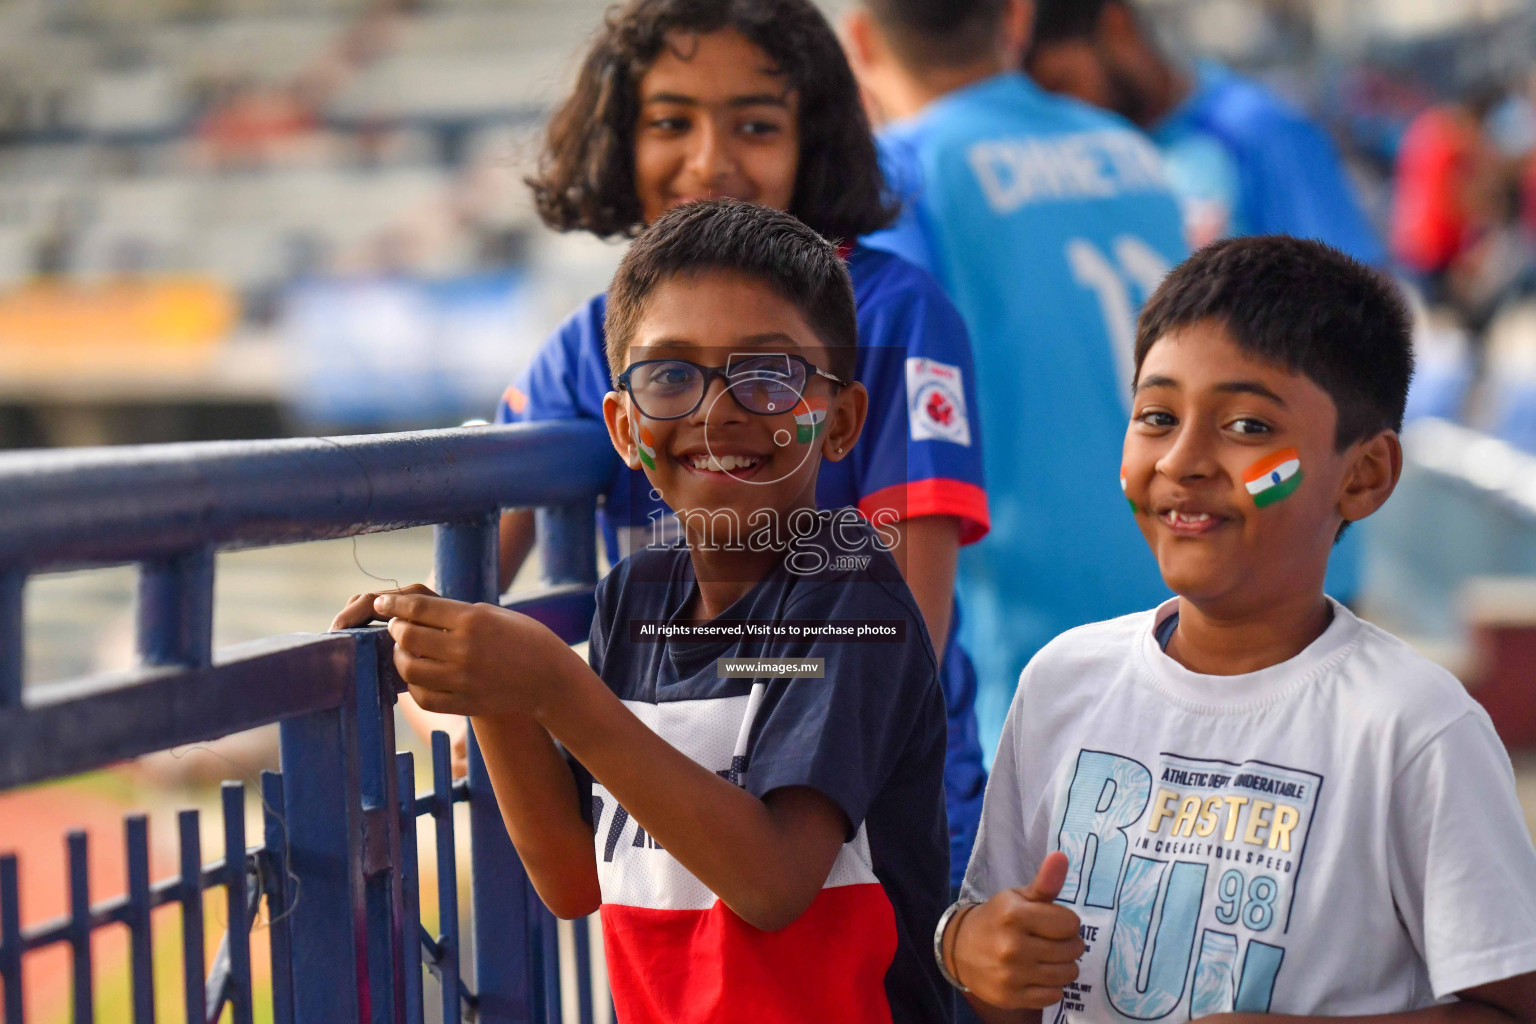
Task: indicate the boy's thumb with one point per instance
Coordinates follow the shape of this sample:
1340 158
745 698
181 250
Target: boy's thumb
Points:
1048 880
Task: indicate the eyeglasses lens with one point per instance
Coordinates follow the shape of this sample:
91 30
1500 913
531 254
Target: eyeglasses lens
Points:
667 388
672 388
767 385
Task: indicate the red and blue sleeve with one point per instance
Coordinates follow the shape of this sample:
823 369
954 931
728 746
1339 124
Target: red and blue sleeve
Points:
920 453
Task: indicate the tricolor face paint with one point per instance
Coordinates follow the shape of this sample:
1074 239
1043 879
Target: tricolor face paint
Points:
1274 477
810 419
1128 498
646 444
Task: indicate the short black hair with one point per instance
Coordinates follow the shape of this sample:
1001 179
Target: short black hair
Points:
1302 305
1059 20
939 33
732 236
586 170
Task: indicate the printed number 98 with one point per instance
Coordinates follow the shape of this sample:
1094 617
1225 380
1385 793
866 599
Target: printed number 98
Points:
1258 913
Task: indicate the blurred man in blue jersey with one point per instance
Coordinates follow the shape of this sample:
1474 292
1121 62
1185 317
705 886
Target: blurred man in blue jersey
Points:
1241 160
1049 223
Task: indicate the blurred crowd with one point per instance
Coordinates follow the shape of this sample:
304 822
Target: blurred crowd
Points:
300 172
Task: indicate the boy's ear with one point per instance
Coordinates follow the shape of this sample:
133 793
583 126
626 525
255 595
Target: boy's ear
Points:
861 41
846 422
620 419
1375 465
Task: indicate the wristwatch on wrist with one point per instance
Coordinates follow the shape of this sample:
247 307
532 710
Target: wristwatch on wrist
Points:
938 938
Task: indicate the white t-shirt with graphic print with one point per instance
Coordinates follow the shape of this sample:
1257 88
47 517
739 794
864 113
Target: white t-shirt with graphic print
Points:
1334 835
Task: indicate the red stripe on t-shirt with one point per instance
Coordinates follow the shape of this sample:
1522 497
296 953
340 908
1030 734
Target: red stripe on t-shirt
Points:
707 966
934 497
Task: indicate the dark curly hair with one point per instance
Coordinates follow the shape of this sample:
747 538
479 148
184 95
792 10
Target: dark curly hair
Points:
586 171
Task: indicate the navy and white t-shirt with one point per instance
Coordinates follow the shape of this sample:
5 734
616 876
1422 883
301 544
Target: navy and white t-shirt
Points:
870 735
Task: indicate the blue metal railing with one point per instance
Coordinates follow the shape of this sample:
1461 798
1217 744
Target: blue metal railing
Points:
337 861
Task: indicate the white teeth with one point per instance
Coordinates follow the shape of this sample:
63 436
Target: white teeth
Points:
723 463
1185 517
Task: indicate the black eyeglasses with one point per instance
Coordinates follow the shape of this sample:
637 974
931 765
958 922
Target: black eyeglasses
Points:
768 384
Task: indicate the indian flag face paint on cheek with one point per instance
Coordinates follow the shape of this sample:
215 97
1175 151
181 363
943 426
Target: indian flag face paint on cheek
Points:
1128 498
647 445
810 419
1274 477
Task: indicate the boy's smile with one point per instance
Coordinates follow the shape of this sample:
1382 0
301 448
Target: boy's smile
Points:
720 464
1232 466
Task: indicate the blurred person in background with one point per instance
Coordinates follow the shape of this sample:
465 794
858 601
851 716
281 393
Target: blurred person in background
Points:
753 100
1455 210
1049 223
1242 160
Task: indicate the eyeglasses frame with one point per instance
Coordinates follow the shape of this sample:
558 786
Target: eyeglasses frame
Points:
711 372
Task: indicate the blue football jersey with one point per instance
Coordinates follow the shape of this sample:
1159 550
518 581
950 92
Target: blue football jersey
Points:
1234 148
1049 223
920 454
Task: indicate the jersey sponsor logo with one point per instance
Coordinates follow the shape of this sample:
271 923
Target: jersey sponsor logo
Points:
1014 173
1185 872
936 402
1274 478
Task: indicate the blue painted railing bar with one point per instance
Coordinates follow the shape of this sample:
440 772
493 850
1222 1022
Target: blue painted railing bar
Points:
447 877
190 893
582 938
236 934
410 882
176 602
68 728
105 506
80 926
276 884
12 656
337 860
141 956
10 937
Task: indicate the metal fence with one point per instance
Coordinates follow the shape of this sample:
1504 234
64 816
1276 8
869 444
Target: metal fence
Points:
336 863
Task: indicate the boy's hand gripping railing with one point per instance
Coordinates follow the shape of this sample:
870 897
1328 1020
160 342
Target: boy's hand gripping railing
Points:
337 860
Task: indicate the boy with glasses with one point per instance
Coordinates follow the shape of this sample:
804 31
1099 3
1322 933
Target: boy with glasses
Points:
751 780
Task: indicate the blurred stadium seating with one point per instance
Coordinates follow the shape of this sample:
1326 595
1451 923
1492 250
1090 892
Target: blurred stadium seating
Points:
264 148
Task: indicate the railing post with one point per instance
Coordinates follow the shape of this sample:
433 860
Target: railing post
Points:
384 895
466 559
176 610
568 543
279 896
328 920
505 980
12 637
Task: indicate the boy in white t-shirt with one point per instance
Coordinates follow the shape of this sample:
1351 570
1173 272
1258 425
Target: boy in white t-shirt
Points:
1249 801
